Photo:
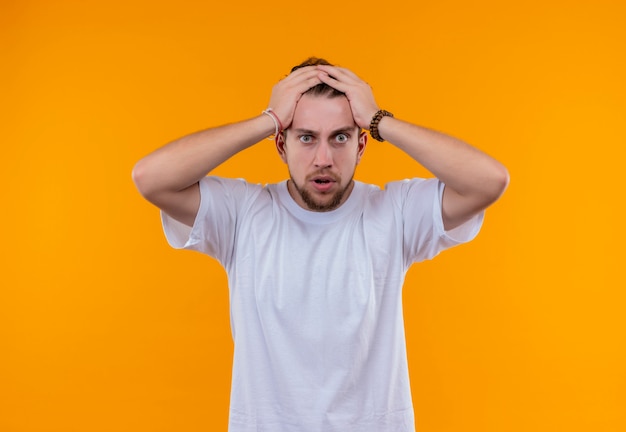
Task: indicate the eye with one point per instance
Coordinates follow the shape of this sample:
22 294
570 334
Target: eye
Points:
306 139
342 138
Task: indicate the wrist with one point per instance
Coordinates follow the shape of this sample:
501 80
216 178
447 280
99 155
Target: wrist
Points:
375 122
278 126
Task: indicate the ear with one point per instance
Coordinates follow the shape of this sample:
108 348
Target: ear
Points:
361 146
280 146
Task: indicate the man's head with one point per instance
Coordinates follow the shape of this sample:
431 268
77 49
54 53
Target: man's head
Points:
322 147
321 89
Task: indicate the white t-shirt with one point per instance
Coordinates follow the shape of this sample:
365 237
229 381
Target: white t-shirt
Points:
316 299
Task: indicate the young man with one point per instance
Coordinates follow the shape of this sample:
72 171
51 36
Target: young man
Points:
316 263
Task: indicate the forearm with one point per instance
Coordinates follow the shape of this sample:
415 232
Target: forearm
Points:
463 168
184 162
466 171
473 179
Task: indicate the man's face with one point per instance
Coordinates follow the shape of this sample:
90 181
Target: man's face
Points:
323 146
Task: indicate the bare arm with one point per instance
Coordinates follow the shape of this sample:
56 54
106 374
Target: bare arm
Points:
473 180
169 176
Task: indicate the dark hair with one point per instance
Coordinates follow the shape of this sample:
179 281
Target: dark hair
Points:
322 89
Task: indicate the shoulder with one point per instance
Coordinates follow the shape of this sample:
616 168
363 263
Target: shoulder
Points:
401 190
228 184
236 189
413 185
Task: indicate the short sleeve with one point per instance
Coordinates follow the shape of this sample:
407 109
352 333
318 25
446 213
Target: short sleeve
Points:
424 235
464 232
213 231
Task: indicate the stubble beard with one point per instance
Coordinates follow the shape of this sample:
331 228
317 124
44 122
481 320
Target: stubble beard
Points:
314 205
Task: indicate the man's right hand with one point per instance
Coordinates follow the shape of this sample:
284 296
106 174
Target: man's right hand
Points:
287 92
169 176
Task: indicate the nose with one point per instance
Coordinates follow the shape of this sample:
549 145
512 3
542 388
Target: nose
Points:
323 156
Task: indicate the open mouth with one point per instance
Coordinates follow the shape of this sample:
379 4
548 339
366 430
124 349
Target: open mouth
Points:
323 184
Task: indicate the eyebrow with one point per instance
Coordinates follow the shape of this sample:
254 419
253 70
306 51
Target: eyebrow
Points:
345 129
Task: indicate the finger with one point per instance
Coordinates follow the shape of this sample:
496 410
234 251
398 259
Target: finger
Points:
300 74
303 81
339 73
305 70
296 77
333 82
303 86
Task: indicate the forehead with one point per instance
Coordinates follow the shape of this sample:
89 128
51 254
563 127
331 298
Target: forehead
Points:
321 113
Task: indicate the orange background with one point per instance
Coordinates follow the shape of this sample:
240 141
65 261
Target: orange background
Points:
103 327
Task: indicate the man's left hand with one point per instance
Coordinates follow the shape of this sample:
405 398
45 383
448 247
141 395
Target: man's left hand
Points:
358 92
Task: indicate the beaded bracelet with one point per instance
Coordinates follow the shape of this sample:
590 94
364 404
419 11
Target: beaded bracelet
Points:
374 124
279 126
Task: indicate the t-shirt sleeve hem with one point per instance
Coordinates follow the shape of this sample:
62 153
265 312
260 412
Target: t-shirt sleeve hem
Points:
181 236
465 232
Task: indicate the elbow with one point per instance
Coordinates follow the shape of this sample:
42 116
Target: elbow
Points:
504 179
498 182
141 178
